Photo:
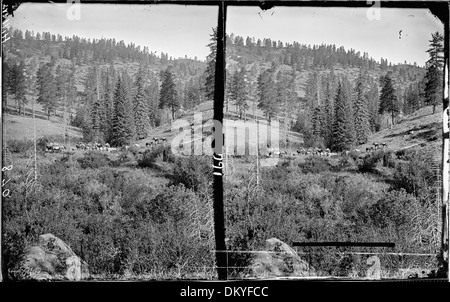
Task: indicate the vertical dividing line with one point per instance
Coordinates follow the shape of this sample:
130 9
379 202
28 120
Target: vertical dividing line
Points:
219 90
445 154
1 156
445 168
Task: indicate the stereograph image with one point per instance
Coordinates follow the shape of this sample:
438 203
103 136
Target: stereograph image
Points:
331 160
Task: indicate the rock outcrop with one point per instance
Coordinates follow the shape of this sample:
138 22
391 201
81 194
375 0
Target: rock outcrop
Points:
279 260
51 259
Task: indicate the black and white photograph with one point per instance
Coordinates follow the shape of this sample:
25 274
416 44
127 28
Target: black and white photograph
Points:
92 189
333 163
333 148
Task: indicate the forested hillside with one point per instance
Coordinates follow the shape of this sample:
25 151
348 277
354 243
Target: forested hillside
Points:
325 91
81 82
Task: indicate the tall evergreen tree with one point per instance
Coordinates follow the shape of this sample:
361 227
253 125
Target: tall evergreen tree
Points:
411 99
267 95
16 83
211 66
168 96
141 118
433 87
127 83
238 91
361 118
318 126
328 108
152 92
47 89
342 125
373 105
388 97
120 135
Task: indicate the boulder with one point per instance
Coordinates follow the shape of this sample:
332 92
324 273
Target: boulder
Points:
279 260
52 259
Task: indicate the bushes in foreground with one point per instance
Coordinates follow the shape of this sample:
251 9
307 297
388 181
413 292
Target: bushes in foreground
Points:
117 221
94 160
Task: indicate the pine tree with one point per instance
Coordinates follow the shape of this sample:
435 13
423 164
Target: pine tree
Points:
433 88
238 91
411 99
47 89
388 97
267 95
129 113
318 125
362 128
152 92
373 105
328 108
211 66
342 125
16 84
168 96
120 135
141 118
108 97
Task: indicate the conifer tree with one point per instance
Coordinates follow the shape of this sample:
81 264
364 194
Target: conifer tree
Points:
129 113
318 124
47 89
238 91
16 84
211 66
388 97
342 125
433 87
120 134
328 108
141 118
267 95
362 128
168 96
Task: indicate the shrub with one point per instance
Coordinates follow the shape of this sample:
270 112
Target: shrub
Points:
315 165
416 175
345 162
194 172
94 160
18 145
371 161
151 156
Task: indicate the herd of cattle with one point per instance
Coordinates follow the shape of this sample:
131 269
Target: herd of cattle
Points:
271 152
321 151
55 147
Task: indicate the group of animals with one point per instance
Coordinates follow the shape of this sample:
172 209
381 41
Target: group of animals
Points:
55 147
156 141
321 151
375 146
93 146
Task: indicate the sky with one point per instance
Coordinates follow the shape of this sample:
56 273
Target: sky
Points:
348 27
185 30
